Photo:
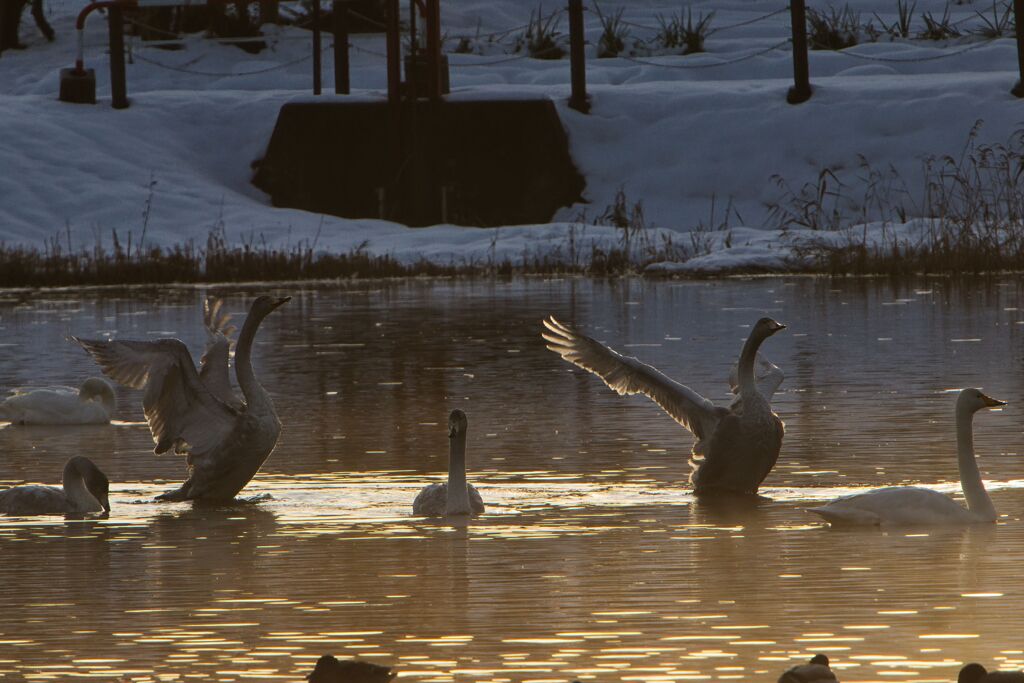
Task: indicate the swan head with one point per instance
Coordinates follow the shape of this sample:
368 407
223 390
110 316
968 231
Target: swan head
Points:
265 305
973 400
96 483
972 673
95 387
457 424
766 327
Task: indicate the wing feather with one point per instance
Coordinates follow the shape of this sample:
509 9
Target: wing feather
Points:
768 375
629 376
213 366
180 410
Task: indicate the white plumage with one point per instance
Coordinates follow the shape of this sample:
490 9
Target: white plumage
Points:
913 505
92 403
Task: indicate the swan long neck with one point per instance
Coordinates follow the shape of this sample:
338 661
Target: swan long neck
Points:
77 492
458 492
978 501
745 367
251 388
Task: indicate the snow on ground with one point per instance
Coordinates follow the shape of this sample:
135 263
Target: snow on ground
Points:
679 139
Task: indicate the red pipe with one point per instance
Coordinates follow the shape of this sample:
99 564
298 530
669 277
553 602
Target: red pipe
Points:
80 26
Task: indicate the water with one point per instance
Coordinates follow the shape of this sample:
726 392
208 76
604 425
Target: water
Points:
593 561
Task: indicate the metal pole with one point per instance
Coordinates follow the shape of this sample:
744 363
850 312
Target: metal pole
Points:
577 58
1018 14
341 79
434 49
801 90
316 47
118 87
394 50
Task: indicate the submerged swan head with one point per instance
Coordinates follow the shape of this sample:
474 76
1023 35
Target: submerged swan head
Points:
457 424
971 401
766 327
95 387
80 473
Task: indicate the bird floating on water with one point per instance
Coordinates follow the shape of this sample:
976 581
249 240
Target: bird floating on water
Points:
976 673
910 505
92 403
457 496
84 489
330 669
815 671
736 447
226 441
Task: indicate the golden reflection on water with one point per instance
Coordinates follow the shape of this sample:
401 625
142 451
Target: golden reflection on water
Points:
593 561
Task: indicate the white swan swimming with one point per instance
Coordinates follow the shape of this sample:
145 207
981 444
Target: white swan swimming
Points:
85 489
226 445
815 671
908 505
456 497
736 447
91 404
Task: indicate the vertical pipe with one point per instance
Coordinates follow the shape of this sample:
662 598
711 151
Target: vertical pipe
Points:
801 90
394 50
577 58
412 69
316 48
394 144
118 82
1018 15
339 9
434 49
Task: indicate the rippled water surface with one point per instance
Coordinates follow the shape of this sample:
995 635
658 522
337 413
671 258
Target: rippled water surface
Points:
593 561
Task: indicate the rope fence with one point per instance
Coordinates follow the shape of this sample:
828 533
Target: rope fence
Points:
543 30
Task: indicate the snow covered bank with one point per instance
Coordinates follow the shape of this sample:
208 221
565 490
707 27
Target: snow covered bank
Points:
679 140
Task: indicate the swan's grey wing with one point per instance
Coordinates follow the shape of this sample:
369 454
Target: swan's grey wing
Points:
213 366
178 407
431 501
34 500
629 376
476 502
768 375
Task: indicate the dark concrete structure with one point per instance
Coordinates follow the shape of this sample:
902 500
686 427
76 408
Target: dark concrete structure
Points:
466 162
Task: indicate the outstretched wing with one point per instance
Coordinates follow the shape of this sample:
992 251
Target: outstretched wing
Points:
213 366
767 375
629 376
179 408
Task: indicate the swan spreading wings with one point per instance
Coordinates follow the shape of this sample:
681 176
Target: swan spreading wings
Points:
197 413
736 447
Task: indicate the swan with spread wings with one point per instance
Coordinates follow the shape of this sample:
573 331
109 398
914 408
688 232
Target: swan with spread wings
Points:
737 446
197 413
